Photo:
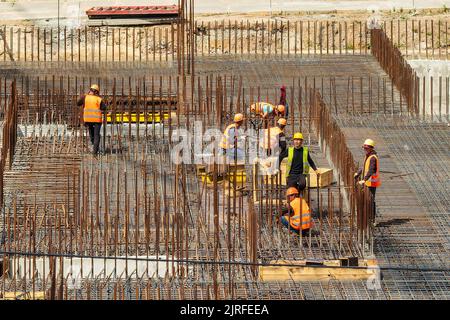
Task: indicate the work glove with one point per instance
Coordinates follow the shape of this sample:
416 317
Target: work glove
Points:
361 182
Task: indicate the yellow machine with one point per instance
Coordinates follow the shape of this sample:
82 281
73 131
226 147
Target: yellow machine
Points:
131 110
134 117
38 295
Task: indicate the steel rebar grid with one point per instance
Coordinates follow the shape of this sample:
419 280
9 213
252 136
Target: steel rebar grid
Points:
91 232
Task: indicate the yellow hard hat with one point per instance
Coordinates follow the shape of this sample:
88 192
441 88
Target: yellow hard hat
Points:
369 142
291 191
95 87
282 121
238 117
298 135
281 108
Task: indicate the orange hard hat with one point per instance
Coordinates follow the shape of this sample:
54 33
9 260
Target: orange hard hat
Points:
282 121
281 108
291 191
238 117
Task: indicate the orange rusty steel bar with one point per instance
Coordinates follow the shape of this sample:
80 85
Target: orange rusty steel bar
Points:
391 60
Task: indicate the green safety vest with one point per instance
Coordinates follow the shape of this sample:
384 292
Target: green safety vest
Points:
291 156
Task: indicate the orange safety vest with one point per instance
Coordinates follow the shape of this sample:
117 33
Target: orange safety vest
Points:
305 214
92 111
224 143
374 180
270 137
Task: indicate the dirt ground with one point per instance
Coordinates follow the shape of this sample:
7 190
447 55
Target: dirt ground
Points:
402 14
335 32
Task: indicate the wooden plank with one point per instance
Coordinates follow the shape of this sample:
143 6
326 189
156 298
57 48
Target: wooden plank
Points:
309 273
325 179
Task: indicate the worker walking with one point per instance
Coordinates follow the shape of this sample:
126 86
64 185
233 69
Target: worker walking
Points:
275 137
231 140
297 216
266 110
93 108
298 163
370 171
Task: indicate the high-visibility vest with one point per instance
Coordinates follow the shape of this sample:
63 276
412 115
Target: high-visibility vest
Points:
302 214
374 180
291 156
270 137
92 111
262 107
224 144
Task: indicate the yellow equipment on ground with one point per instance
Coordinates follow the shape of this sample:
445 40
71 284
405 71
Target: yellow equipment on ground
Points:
229 175
37 295
134 117
241 176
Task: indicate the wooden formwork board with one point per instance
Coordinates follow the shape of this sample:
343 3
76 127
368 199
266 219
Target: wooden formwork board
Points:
326 270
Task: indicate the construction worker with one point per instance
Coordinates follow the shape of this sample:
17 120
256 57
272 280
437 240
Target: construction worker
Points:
298 216
283 100
370 171
274 135
298 164
230 140
266 110
93 108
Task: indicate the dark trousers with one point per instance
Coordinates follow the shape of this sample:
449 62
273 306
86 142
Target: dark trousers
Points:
296 180
373 190
94 134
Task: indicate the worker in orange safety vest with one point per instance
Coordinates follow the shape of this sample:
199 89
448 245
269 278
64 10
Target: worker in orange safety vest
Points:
274 136
93 108
298 215
370 171
231 137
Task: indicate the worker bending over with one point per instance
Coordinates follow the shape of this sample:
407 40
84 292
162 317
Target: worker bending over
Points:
275 137
232 137
297 216
370 171
266 110
93 108
298 163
